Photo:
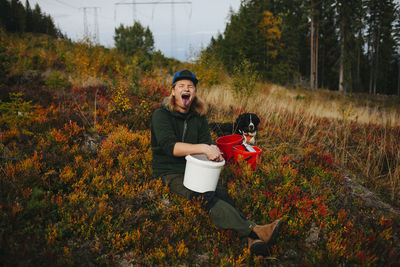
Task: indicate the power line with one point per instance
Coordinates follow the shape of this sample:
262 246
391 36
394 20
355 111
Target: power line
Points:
134 3
172 3
153 3
65 4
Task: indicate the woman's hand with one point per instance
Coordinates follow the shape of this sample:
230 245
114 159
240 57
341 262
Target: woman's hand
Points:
213 153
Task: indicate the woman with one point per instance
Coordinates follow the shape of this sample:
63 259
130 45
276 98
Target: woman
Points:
179 128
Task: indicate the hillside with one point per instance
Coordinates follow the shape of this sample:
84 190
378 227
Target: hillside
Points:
77 186
359 132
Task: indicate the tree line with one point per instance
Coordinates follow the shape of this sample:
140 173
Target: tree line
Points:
350 46
15 17
137 42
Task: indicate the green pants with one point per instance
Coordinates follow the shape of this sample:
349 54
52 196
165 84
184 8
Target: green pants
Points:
222 212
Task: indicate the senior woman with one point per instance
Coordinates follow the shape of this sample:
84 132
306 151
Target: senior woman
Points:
179 128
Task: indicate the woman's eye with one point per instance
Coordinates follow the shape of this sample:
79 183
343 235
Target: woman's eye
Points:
190 87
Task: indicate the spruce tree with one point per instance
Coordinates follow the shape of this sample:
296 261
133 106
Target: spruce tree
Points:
133 39
29 17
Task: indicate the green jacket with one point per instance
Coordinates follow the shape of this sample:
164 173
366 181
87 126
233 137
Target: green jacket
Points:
169 127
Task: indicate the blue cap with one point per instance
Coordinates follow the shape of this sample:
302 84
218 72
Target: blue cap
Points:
185 75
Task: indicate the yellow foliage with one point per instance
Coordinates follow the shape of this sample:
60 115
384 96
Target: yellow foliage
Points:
208 70
272 33
67 174
120 98
182 249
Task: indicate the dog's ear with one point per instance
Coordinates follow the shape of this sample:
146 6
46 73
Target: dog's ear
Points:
255 120
240 119
238 123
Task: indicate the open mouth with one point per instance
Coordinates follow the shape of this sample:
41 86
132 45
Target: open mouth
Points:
185 98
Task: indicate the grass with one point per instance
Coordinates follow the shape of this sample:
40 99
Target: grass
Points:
363 137
322 103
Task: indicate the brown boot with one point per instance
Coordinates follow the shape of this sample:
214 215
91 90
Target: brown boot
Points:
258 247
268 232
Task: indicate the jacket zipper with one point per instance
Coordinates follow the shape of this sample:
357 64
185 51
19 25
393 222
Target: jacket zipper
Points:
184 130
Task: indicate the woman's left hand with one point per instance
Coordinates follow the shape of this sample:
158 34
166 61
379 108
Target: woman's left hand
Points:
211 151
217 155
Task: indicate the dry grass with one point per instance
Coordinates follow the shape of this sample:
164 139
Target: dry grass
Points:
362 136
89 81
323 104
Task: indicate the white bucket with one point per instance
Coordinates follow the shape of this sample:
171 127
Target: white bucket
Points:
201 174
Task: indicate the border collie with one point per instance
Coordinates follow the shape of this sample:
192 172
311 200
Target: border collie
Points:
245 124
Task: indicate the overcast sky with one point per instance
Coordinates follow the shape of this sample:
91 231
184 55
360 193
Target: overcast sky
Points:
194 21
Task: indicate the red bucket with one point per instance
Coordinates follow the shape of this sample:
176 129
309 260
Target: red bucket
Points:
226 143
250 157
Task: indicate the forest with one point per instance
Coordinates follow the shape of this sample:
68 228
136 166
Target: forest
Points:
350 46
15 17
76 182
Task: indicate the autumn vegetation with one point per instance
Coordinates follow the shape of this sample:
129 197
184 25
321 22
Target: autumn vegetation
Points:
76 184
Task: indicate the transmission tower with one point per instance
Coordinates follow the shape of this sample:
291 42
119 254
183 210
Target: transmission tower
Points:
96 27
172 3
173 31
96 34
85 24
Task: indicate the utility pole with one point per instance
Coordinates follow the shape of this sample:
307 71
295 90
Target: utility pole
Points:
85 24
173 31
172 3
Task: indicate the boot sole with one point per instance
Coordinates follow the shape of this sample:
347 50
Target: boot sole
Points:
259 249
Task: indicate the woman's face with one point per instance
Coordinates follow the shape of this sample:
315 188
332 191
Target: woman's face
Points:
184 92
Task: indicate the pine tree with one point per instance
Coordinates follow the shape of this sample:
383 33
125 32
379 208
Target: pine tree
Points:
329 51
37 20
348 24
5 12
294 57
134 39
313 45
29 18
18 18
14 17
380 43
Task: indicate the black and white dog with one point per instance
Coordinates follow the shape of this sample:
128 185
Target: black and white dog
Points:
246 124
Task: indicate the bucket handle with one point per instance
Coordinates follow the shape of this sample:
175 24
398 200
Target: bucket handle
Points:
246 159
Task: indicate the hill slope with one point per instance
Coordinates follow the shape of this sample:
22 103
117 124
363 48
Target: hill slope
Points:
77 186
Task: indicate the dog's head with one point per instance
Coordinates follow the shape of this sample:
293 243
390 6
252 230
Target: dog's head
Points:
247 123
